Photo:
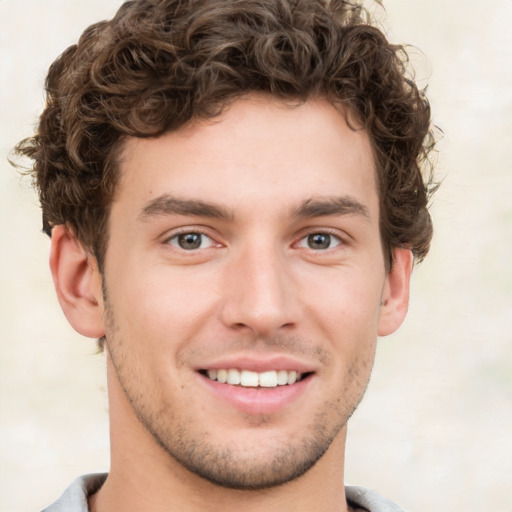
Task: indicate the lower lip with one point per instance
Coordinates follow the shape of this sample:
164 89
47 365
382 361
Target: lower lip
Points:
258 400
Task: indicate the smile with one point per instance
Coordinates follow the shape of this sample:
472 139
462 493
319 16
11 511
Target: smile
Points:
250 379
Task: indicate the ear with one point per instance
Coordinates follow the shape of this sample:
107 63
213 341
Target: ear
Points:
77 282
395 294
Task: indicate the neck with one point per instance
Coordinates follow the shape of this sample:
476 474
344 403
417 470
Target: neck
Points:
144 476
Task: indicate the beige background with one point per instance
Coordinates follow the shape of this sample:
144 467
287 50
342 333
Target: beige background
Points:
434 431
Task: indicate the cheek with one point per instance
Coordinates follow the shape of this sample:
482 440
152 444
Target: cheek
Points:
347 304
162 305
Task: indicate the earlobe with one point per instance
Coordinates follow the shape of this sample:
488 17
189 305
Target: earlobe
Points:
77 282
395 296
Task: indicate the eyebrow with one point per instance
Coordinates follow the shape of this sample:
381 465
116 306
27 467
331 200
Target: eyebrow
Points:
343 205
170 205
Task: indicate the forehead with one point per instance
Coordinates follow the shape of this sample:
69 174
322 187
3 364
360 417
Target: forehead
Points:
259 150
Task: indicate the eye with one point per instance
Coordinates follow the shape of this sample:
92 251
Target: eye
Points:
191 241
320 241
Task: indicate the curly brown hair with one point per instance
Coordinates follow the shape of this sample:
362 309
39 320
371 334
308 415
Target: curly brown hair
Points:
159 63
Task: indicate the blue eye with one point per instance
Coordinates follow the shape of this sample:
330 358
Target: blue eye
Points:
191 241
320 241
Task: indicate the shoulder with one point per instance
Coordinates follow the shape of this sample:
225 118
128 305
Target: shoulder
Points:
75 496
371 501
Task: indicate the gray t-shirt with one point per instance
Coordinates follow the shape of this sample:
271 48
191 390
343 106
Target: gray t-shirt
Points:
74 498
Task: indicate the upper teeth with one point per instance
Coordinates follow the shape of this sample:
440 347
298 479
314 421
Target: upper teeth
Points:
269 379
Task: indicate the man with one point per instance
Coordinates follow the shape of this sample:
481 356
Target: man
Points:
235 198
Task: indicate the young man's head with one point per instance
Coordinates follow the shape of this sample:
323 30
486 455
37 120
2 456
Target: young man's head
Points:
159 64
235 195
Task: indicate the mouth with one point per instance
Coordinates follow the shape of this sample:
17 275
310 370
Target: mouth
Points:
257 386
252 379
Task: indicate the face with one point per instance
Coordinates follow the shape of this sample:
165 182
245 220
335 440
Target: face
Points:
244 282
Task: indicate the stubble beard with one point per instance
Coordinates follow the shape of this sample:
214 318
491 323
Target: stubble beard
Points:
241 469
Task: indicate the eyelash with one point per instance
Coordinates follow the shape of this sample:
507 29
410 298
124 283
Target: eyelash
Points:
333 236
184 232
304 239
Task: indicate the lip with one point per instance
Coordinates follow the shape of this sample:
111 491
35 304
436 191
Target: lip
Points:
259 364
258 401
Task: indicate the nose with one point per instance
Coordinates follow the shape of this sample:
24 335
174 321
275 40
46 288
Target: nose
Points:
259 293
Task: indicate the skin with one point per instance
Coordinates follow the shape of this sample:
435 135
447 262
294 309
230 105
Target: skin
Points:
261 186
